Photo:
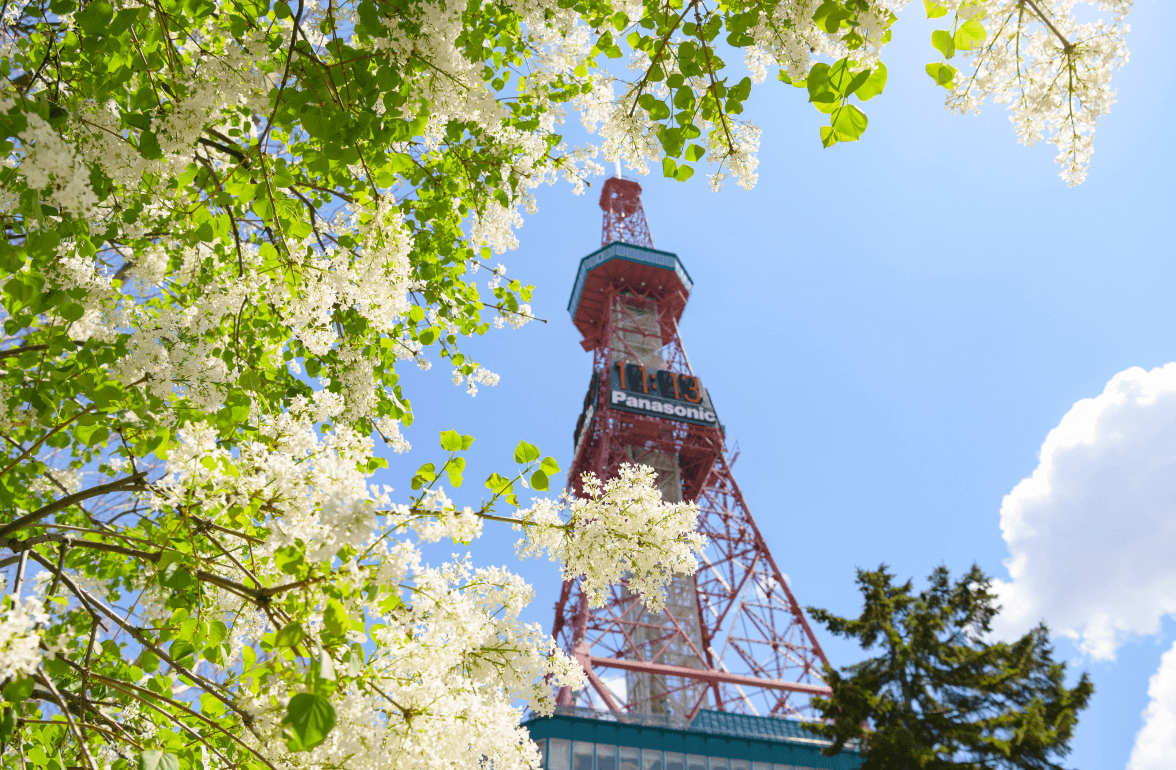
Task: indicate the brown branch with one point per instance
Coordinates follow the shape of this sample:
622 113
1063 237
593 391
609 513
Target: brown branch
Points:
23 349
1066 44
45 438
45 680
282 88
94 607
53 432
135 692
65 502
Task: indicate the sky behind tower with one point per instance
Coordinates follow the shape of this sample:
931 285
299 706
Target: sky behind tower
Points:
898 333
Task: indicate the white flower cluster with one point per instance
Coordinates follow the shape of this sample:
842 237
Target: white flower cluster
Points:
1053 72
786 36
445 520
449 667
456 652
515 319
621 530
315 486
790 39
20 641
53 162
480 376
376 282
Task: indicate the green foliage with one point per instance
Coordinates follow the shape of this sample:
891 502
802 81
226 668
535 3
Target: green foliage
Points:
830 88
309 718
940 693
158 760
966 34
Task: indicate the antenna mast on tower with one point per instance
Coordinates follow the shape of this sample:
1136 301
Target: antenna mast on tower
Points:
624 219
732 637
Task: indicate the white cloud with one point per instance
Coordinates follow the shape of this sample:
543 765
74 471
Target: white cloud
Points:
1155 745
1092 532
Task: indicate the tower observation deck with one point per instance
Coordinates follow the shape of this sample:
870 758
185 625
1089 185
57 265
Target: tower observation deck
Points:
732 638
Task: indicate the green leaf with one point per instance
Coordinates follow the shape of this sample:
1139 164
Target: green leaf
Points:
849 122
497 483
549 466
426 474
942 74
828 136
539 481
211 706
23 289
289 559
452 441
526 453
970 34
934 9
217 632
148 661
841 77
829 16
819 88
694 152
943 42
309 720
501 485
290 635
669 168
7 724
454 468
158 760
181 649
123 21
175 576
683 173
873 85
335 618
18 689
95 18
149 146
71 311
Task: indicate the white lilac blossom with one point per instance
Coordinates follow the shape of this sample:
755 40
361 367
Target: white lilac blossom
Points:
457 650
1051 70
20 636
621 529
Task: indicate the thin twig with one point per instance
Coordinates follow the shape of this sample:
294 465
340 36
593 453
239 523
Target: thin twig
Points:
68 716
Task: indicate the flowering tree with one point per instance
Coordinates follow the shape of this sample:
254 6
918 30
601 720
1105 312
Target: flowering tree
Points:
229 221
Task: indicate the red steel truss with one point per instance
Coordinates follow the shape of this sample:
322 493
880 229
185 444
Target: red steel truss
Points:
732 637
624 218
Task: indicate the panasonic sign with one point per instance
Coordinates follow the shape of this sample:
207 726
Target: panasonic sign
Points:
660 394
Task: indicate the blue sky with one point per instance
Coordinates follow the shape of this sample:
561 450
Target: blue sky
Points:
889 329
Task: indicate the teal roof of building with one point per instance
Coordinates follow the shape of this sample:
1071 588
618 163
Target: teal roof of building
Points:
747 726
710 733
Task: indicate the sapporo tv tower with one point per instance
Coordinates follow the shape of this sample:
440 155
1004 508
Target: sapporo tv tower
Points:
732 638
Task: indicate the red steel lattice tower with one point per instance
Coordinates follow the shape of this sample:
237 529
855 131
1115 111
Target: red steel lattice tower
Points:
732 637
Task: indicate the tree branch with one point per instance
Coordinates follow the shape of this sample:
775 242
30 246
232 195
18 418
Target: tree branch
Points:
65 502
